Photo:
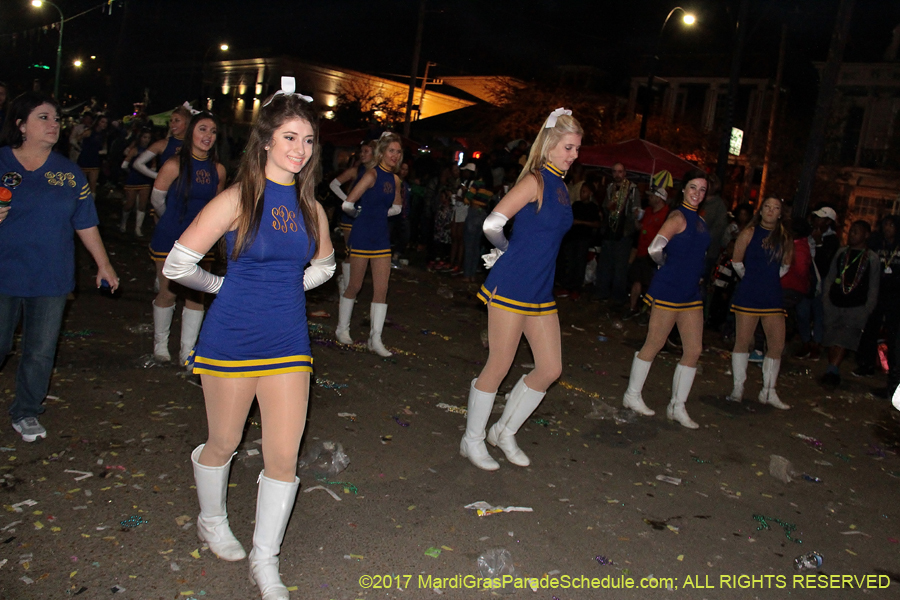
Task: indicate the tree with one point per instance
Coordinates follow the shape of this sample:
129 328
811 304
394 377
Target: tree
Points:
360 103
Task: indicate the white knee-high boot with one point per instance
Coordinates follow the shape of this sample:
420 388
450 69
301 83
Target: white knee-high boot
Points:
123 224
162 323
377 314
739 362
521 403
274 503
344 279
682 382
342 333
139 222
472 445
633 400
770 369
212 523
191 320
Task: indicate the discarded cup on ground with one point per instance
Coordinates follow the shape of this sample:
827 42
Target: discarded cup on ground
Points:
496 562
808 561
324 458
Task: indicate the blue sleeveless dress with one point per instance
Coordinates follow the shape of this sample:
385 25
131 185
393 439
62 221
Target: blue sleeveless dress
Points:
759 292
257 324
521 281
172 146
347 220
676 286
136 180
178 215
371 236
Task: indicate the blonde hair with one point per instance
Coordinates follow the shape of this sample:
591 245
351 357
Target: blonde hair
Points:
546 140
387 138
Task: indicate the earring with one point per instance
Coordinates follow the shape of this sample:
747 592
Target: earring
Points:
266 147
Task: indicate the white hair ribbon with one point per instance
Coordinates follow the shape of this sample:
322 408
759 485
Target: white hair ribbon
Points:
385 133
556 114
288 86
188 106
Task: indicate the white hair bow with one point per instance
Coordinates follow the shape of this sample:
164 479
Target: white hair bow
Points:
556 114
288 86
188 106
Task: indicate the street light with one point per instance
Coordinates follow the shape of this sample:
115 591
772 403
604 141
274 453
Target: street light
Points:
62 20
221 47
689 20
77 63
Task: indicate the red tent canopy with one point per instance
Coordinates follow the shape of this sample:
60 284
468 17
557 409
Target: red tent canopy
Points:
638 156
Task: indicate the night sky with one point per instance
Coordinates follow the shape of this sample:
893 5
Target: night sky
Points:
524 38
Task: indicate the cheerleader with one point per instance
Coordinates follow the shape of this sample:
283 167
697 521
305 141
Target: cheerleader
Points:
93 144
186 183
354 174
372 200
166 147
137 185
255 342
675 298
519 291
762 255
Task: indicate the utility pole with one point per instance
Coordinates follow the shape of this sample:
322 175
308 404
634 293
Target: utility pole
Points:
414 71
770 136
740 36
823 108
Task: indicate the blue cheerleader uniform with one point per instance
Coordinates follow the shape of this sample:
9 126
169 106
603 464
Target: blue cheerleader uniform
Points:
173 145
371 236
347 220
177 217
89 158
257 324
676 286
759 292
135 180
521 281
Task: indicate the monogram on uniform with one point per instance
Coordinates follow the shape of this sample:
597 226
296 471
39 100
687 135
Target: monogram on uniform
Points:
60 178
284 219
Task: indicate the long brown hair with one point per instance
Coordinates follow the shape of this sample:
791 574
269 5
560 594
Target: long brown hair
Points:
779 242
251 175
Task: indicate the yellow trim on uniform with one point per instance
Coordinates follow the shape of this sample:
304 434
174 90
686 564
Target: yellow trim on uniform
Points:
687 205
672 306
291 184
371 253
554 170
758 312
251 363
538 310
237 374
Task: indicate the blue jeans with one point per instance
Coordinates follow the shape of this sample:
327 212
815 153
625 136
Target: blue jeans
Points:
41 320
612 269
472 235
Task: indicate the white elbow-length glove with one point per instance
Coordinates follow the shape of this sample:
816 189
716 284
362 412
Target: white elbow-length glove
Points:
318 272
783 270
656 250
140 164
181 266
739 268
493 231
395 210
158 201
350 209
335 186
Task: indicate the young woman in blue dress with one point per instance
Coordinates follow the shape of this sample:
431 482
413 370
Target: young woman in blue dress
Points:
255 341
185 184
366 160
762 255
519 292
374 198
675 298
